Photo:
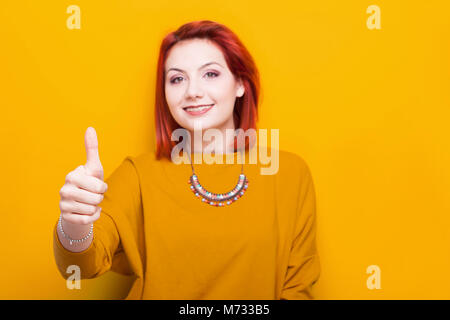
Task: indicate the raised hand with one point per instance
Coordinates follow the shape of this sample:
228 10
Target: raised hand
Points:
84 187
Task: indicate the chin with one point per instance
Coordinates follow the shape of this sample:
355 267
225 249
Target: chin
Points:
204 123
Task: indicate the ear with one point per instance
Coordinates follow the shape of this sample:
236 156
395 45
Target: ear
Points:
241 89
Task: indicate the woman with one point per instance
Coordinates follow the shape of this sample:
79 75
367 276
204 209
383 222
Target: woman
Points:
180 238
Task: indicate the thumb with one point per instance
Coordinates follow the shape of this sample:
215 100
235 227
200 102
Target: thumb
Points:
93 165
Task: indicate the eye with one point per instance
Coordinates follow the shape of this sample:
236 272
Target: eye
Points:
213 74
173 80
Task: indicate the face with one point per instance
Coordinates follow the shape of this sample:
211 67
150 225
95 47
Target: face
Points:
197 74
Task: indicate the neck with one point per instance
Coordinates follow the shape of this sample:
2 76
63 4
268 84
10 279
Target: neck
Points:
223 144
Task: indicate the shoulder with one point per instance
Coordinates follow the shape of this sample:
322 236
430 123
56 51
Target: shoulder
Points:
291 164
143 159
144 163
296 173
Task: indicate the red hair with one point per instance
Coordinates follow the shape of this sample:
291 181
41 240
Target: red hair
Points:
240 63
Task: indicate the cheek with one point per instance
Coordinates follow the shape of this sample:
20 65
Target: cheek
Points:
172 96
223 94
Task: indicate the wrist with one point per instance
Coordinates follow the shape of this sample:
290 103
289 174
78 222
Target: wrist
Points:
75 233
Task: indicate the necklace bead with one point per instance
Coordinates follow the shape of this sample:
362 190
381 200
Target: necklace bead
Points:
218 199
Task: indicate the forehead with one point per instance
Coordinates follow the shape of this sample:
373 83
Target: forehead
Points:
193 53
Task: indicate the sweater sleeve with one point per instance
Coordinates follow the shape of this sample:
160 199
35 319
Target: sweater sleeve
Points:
121 201
304 265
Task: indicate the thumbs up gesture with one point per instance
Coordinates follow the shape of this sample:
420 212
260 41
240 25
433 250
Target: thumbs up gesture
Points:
84 187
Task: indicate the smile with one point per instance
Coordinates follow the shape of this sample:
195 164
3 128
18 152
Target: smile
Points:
194 111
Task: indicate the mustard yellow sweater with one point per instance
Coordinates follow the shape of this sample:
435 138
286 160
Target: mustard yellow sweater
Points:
153 226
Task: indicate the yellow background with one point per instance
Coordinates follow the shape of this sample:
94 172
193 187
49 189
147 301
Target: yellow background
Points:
367 109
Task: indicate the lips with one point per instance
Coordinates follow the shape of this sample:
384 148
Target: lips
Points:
197 110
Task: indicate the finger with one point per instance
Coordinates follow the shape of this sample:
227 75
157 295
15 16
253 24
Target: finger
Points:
93 164
86 182
81 219
77 207
72 192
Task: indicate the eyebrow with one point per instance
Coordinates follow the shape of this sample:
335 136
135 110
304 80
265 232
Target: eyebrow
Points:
205 65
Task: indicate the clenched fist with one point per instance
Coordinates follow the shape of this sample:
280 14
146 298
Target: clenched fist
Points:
84 187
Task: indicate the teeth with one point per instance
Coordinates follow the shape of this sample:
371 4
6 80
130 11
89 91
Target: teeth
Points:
198 108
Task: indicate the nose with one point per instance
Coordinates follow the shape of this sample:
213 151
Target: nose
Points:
194 90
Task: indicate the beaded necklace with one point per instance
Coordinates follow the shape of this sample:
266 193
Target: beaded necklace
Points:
218 199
